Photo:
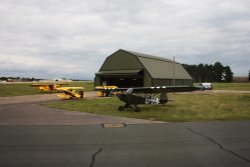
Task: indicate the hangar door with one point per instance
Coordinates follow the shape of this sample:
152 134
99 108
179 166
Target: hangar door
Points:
122 79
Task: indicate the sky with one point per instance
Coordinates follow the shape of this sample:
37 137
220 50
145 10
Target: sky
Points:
72 38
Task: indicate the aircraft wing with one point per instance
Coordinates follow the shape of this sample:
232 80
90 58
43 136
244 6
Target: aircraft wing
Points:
47 84
41 85
70 88
104 89
71 91
164 89
61 83
151 90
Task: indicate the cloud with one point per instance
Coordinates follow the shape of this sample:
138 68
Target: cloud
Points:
72 38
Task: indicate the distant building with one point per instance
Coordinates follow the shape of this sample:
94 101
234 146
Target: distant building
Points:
131 69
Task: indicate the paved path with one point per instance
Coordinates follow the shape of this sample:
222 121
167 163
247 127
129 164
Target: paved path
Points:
37 98
28 98
26 110
34 114
206 144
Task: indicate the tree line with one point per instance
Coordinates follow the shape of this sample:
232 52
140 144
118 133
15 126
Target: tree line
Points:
210 73
249 75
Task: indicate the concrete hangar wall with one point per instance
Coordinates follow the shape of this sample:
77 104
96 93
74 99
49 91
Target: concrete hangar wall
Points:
131 69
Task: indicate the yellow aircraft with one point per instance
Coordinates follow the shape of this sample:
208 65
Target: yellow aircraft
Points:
104 91
70 92
47 86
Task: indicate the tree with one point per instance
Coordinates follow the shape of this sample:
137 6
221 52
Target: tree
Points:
228 74
217 71
201 73
210 73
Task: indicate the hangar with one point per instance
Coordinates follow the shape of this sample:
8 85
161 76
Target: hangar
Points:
132 69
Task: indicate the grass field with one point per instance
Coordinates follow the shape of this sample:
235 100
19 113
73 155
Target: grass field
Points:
245 86
19 89
185 107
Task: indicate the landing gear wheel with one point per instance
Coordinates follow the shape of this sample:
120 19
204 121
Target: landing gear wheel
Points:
120 108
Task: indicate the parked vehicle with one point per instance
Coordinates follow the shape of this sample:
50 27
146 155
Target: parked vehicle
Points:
208 86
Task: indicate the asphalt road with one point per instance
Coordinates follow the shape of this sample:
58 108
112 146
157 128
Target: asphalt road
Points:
35 114
175 144
26 110
33 135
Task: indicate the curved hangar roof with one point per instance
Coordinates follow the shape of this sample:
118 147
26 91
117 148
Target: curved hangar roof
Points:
129 62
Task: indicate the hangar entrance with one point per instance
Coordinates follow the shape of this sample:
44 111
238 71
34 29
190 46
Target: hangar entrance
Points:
122 80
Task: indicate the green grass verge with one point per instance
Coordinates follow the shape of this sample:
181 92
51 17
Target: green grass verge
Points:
19 89
186 107
232 86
